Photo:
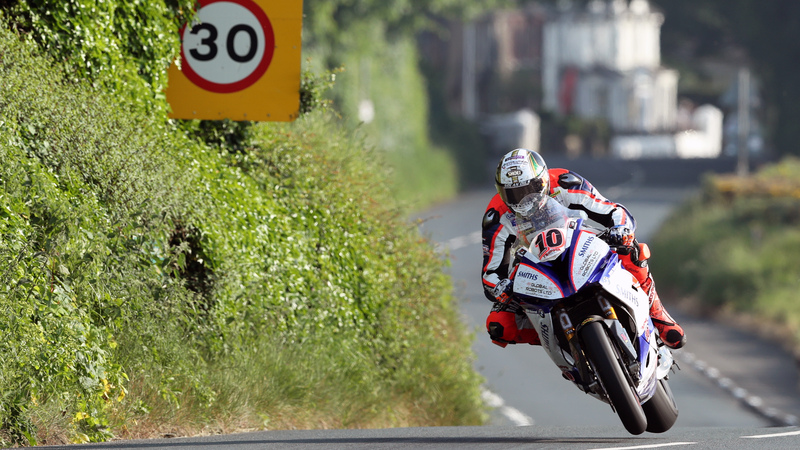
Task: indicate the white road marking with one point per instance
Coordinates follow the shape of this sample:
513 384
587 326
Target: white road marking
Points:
493 400
741 394
516 416
460 242
669 444
762 436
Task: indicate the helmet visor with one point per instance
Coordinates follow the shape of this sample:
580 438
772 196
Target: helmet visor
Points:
523 198
529 204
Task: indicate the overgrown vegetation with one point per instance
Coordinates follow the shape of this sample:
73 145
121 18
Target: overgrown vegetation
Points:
184 277
382 92
122 44
381 96
737 244
744 33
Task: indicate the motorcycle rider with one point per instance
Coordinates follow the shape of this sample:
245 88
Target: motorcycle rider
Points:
523 181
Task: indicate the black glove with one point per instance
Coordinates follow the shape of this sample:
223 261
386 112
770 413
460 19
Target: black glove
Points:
619 236
512 306
635 250
503 290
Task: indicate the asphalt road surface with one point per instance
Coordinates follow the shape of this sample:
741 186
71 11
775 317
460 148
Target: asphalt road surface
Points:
729 377
734 390
479 438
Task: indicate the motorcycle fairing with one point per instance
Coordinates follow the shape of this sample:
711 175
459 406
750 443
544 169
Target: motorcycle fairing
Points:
585 261
625 287
545 327
621 283
538 280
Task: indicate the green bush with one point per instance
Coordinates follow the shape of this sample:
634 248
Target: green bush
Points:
734 246
65 245
125 45
139 263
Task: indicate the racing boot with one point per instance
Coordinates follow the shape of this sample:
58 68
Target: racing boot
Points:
668 330
510 326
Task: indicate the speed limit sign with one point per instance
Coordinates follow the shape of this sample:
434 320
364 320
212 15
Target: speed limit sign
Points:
240 59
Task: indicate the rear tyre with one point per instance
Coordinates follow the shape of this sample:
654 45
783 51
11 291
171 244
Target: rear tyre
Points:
609 370
661 410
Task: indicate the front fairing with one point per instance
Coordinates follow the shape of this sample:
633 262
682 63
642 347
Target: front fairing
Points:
546 232
564 264
559 257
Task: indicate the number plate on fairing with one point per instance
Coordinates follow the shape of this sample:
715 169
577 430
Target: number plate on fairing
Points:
548 244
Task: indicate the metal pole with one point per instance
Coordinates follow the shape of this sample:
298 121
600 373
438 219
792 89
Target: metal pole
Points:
743 128
469 105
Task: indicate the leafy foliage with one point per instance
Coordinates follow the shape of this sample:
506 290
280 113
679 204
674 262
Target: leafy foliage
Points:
734 247
380 90
142 257
85 182
125 44
313 89
710 27
339 23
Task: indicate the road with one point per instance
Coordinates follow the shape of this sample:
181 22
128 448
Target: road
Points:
478 438
730 378
735 390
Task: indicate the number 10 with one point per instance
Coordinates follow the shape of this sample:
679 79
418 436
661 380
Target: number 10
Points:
550 239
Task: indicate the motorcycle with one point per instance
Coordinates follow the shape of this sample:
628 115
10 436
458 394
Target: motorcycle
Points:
593 317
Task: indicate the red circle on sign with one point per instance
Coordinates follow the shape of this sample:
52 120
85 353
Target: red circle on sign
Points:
269 50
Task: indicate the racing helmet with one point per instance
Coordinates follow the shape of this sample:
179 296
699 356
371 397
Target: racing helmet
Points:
522 181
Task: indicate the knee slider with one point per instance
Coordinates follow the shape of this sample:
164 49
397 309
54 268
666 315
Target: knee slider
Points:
496 330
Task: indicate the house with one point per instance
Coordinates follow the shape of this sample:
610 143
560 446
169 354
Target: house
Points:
603 61
599 61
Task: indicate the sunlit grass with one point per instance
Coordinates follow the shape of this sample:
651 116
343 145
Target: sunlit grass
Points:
737 250
324 306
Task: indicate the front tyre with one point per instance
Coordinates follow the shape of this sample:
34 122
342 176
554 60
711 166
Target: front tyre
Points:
609 371
661 410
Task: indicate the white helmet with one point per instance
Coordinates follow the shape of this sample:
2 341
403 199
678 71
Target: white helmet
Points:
522 180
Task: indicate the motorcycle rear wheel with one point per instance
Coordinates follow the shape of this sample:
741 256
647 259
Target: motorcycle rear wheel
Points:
661 410
609 371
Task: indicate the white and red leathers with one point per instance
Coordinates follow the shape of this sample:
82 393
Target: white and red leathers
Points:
506 324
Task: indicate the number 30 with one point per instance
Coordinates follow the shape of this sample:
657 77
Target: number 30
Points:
210 42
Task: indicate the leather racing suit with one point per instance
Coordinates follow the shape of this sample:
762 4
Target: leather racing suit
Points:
506 322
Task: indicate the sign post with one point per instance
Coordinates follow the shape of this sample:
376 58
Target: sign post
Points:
240 60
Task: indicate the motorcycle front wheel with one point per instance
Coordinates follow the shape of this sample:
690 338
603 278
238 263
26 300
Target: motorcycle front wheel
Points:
610 372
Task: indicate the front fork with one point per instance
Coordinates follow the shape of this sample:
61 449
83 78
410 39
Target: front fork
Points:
618 333
586 381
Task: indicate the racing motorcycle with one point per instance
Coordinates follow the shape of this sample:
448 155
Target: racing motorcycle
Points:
593 317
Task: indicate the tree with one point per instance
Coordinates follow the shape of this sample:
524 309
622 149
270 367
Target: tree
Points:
336 23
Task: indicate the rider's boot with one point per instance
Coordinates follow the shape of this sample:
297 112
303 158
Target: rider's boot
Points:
510 326
668 330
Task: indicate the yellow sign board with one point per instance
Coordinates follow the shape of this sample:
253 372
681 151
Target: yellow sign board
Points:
240 60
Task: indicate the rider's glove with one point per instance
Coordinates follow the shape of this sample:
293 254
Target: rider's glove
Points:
502 291
619 236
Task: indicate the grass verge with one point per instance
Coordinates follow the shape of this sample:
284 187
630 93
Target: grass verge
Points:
733 249
153 284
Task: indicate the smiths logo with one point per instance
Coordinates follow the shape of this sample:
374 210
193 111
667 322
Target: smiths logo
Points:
528 275
586 246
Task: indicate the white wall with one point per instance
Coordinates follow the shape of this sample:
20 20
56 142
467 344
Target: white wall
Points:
704 140
617 37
